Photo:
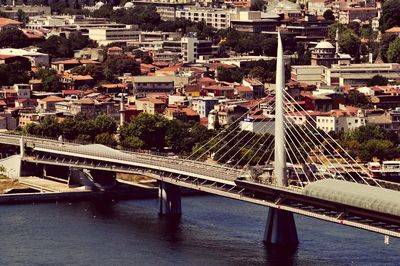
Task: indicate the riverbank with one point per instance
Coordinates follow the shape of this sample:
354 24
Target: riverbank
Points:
6 184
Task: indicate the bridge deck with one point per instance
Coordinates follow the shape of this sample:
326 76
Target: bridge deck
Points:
214 179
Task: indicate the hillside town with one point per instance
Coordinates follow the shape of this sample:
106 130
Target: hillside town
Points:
246 117
204 63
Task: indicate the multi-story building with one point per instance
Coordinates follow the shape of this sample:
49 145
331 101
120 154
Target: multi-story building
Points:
150 105
217 18
104 36
308 74
29 10
35 58
362 14
359 74
251 21
340 121
153 84
203 105
48 104
256 86
7 121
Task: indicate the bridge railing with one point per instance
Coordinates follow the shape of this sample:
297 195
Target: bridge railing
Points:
155 162
152 154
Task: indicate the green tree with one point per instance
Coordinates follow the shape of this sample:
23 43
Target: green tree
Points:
328 15
14 38
390 16
22 17
355 98
257 5
105 11
333 27
57 46
79 41
14 73
230 74
117 66
149 129
50 79
95 71
105 124
393 52
106 139
144 57
350 43
369 132
378 80
386 40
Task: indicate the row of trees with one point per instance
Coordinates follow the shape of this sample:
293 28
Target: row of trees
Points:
110 70
60 46
79 128
262 70
367 142
154 132
145 16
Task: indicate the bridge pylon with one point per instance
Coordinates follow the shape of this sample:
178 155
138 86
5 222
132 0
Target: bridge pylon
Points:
22 147
280 228
170 199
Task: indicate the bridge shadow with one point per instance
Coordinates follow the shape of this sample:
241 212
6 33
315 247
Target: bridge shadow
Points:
281 255
170 227
103 208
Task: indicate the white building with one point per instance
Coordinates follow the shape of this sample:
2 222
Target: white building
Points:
105 36
258 125
326 90
307 74
217 18
35 58
340 121
189 49
23 91
360 74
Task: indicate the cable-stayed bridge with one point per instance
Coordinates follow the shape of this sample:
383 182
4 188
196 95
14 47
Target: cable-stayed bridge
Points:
309 174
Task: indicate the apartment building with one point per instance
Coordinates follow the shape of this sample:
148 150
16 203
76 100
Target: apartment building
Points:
359 74
217 18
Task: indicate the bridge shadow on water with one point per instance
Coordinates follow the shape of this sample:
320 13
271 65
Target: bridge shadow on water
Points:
170 228
281 255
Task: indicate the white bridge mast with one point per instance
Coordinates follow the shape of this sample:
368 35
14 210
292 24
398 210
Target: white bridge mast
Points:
280 154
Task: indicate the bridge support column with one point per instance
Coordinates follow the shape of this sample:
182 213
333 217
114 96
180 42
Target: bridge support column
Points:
22 147
170 199
280 228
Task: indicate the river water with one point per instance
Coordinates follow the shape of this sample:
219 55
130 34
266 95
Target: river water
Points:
212 231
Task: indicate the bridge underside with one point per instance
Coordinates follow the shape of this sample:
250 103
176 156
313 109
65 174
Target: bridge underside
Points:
271 196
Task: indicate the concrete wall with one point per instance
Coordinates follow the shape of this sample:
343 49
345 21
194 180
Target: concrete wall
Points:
12 166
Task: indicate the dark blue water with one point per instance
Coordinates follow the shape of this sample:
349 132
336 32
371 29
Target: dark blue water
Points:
212 231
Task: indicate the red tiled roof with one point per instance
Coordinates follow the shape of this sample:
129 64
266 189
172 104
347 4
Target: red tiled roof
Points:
114 86
115 48
218 88
74 62
393 30
52 99
243 89
171 68
85 101
253 81
6 22
152 100
71 92
4 56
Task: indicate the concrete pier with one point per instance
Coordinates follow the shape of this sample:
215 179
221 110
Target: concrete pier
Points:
280 228
170 199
